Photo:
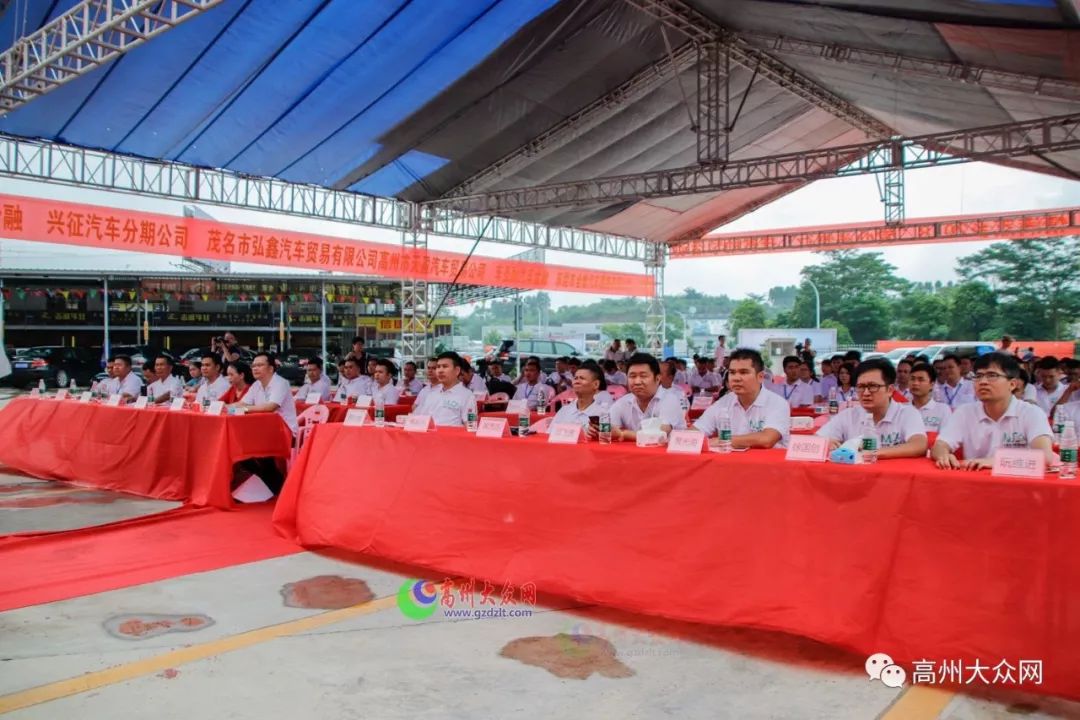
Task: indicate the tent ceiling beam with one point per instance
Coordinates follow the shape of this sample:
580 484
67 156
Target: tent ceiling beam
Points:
100 170
92 33
997 142
704 30
972 74
574 126
1000 226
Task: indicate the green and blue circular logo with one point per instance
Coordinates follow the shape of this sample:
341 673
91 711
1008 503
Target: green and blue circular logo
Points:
416 599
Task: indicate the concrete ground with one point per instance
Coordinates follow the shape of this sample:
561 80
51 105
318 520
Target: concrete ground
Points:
310 635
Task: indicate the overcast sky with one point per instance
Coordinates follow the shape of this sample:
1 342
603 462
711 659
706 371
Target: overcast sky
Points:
959 189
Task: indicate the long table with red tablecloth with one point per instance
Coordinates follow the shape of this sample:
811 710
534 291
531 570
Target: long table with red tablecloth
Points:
338 411
154 452
898 557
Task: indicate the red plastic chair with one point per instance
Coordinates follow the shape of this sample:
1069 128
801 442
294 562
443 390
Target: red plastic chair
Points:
307 420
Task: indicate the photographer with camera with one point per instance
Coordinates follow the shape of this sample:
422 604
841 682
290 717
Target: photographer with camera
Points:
226 347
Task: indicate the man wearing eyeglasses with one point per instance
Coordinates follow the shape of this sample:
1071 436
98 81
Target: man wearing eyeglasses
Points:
899 426
997 420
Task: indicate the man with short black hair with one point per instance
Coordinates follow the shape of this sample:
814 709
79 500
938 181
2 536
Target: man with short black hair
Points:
270 393
432 380
1049 387
643 402
315 381
216 383
853 356
921 384
382 382
614 352
351 384
631 348
448 402
128 384
166 386
409 383
956 391
759 419
701 380
796 394
472 380
903 378
588 381
360 355
531 388
720 353
899 426
667 382
997 419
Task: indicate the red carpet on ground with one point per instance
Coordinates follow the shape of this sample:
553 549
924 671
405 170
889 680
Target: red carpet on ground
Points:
40 569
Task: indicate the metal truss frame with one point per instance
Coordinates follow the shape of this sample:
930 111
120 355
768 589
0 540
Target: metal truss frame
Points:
1006 226
415 329
968 73
1044 135
69 165
714 103
702 29
467 294
91 34
574 126
655 314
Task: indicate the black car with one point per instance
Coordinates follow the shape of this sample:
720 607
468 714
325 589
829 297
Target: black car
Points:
547 350
54 364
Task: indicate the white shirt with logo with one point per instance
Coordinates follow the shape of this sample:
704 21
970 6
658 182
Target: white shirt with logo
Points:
1047 399
934 414
797 394
131 385
172 385
626 414
321 386
767 411
962 394
900 423
569 414
279 392
532 393
360 385
213 390
388 393
447 408
971 429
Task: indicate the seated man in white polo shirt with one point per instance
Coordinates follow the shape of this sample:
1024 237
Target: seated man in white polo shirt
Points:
643 401
667 383
796 393
128 384
955 390
382 384
759 418
167 386
409 383
472 380
921 385
271 393
588 380
448 402
995 421
432 381
351 384
899 426
533 387
315 381
215 385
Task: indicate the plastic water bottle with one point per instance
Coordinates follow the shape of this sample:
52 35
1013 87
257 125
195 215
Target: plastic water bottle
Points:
523 423
605 429
541 402
1059 423
94 389
1067 452
869 439
72 387
41 386
206 401
150 395
470 417
380 411
723 432
834 402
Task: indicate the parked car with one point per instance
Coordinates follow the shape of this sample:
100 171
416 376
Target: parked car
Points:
960 349
547 350
54 364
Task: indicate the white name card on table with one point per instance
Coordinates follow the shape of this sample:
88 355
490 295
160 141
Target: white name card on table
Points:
565 434
1019 462
363 401
493 428
418 423
141 401
35 393
355 417
216 408
114 400
687 441
701 402
313 398
517 406
62 394
85 397
176 405
808 448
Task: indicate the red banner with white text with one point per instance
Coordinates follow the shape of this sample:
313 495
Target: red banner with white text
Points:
65 223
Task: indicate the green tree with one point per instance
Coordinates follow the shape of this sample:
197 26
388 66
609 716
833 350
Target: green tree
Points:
493 338
972 310
1035 279
747 314
856 289
921 315
843 335
622 331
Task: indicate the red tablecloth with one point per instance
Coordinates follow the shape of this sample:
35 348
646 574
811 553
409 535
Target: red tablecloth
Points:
695 413
155 453
339 411
512 418
898 557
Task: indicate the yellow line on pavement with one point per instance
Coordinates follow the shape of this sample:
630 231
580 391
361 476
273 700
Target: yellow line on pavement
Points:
918 702
147 666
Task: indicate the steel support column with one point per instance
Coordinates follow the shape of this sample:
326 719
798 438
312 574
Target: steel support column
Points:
415 332
714 102
655 316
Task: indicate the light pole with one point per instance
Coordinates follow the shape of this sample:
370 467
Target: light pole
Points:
817 302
